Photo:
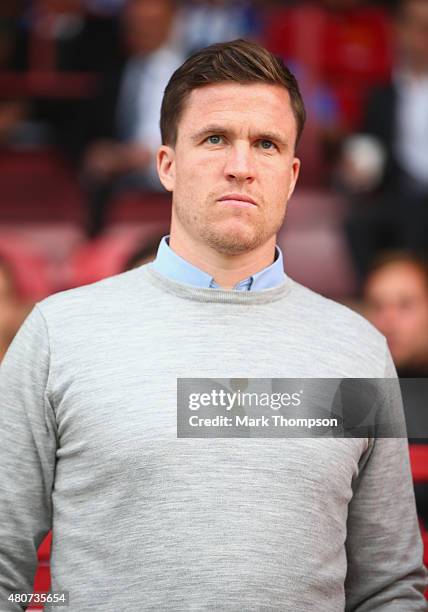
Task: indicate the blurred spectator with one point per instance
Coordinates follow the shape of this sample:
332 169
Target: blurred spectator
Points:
12 37
122 128
83 38
12 110
57 36
104 7
13 113
390 195
203 22
396 294
12 309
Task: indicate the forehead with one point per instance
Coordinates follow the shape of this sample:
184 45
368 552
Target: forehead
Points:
258 106
416 8
398 279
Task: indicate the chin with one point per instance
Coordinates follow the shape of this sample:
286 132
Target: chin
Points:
234 243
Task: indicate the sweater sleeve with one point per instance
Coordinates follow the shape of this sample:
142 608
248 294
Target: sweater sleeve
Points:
384 547
27 457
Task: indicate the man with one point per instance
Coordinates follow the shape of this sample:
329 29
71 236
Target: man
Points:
396 293
390 205
143 518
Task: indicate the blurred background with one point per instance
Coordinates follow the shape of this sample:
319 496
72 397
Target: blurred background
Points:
81 83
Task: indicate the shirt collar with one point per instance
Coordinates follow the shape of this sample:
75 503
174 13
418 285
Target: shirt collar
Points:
176 268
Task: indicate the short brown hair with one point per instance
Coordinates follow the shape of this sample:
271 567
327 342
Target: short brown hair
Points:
396 256
239 61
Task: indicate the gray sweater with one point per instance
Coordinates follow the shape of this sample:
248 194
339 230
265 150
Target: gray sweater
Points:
143 520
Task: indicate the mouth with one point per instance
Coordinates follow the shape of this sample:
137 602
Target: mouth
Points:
237 199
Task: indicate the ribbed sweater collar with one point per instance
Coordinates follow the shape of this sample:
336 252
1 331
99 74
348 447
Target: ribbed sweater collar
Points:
220 296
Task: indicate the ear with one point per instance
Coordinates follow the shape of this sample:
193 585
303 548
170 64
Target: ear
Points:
295 169
165 160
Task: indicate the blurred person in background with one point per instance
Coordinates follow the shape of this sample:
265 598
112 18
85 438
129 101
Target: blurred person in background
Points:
65 36
384 168
121 132
12 308
396 295
13 111
84 35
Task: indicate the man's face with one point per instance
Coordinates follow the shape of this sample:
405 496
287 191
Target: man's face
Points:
397 299
234 141
147 24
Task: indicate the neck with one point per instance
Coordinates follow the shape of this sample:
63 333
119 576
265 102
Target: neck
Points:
226 269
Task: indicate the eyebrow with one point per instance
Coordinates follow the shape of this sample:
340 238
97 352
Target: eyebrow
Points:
219 129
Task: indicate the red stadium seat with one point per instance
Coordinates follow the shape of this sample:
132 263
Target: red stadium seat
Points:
53 242
143 207
314 247
42 580
45 548
348 50
419 462
38 186
107 255
30 268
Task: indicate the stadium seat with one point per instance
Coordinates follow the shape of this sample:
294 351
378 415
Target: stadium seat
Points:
42 580
38 185
31 269
132 206
348 51
54 242
107 255
419 462
314 247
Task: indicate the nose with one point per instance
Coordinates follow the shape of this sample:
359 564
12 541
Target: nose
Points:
239 163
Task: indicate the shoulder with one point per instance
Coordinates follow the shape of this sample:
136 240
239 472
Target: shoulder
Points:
97 296
334 321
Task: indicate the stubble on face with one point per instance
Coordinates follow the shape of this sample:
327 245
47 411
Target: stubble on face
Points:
230 231
204 174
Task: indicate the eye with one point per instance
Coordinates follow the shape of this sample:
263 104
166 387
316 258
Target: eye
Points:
267 144
214 139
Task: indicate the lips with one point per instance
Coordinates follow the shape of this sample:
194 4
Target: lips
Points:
237 199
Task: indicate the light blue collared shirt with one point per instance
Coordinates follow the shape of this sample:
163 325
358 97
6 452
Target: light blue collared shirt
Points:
171 265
